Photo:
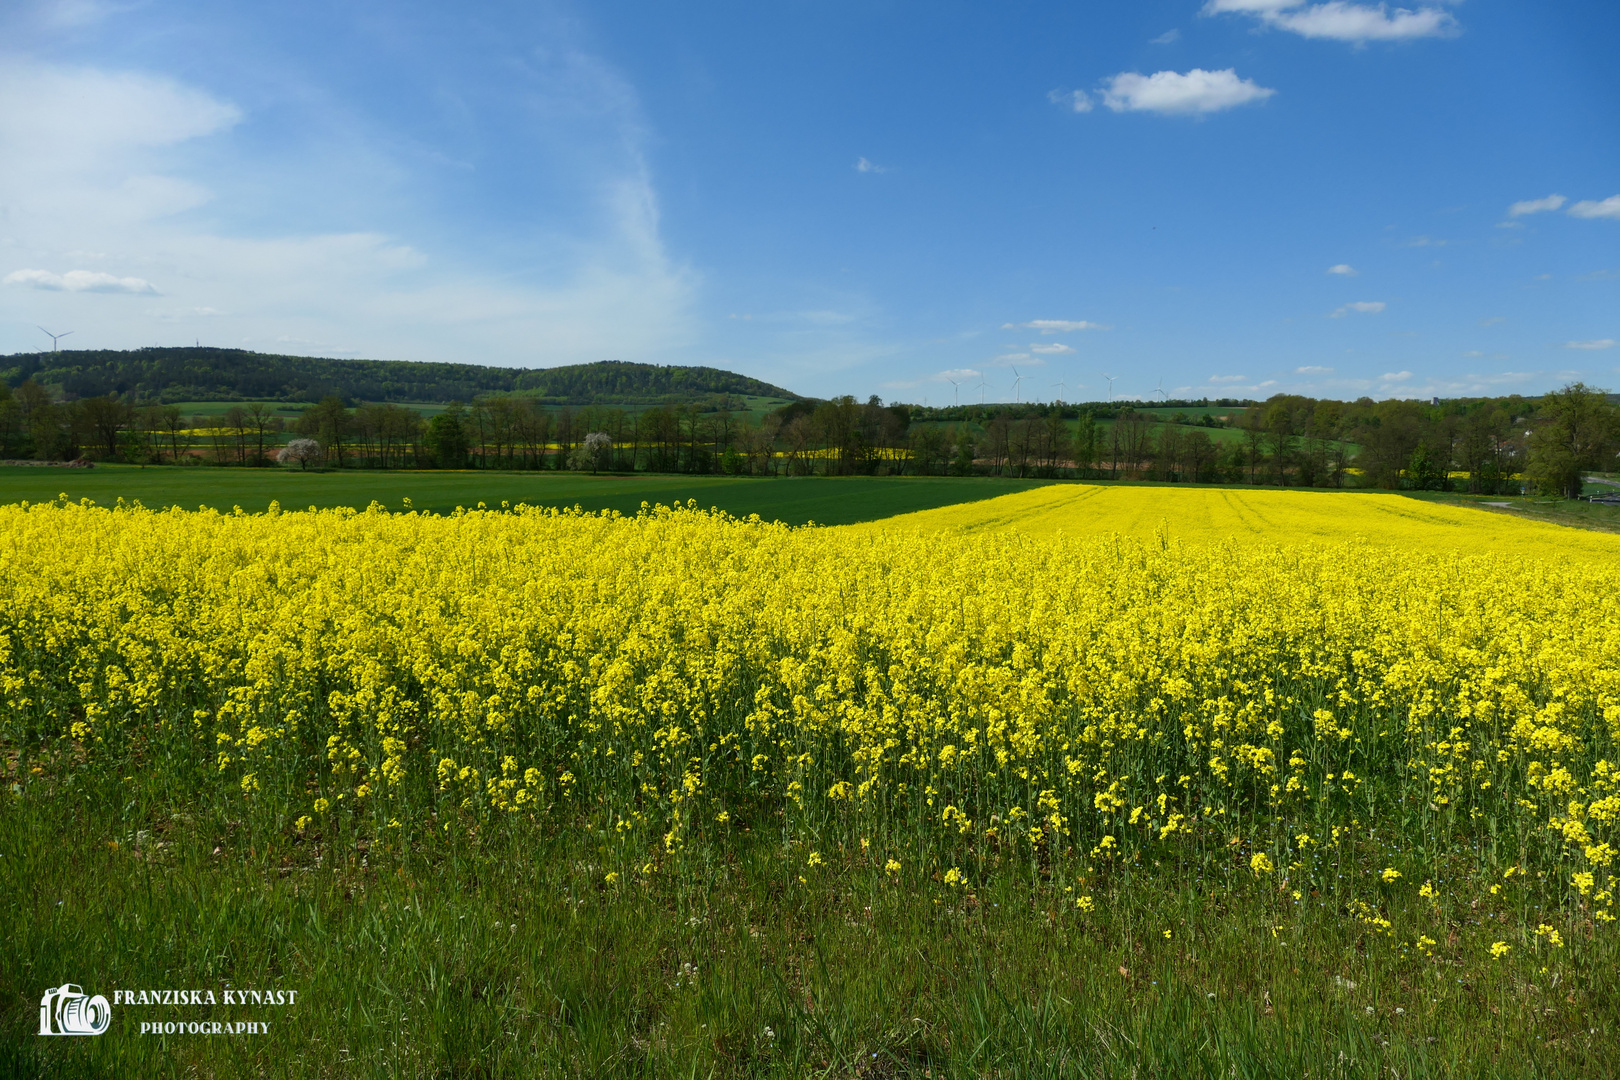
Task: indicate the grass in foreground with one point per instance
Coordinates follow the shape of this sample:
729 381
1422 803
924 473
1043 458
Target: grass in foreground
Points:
506 954
794 500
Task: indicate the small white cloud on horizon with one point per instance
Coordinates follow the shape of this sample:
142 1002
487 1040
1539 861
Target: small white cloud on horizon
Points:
1312 369
1170 93
1589 208
1536 206
1227 379
1169 37
1599 343
177 314
1051 348
1055 326
1364 307
1395 376
863 165
1342 20
93 281
958 374
1343 268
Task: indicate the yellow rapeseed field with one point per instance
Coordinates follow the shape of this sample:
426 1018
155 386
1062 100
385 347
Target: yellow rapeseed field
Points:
1263 515
1332 711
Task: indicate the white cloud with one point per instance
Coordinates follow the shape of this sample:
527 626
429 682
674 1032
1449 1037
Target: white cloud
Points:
1599 343
1364 307
1588 208
182 314
112 162
962 374
1010 359
1536 206
1341 20
1395 376
1051 348
1343 268
1312 369
1169 37
1078 100
863 165
1195 93
92 281
1055 326
1228 378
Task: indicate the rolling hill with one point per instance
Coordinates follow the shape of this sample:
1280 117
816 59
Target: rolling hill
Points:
208 374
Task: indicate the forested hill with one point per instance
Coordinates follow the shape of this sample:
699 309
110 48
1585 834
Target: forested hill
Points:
209 374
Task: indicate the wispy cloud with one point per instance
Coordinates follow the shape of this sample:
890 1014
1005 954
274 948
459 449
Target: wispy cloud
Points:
961 374
1599 343
1051 348
1312 369
1169 37
1078 100
1536 206
863 165
1011 359
1340 20
1055 326
1605 208
1362 307
1217 379
1343 268
1395 376
1195 93
91 281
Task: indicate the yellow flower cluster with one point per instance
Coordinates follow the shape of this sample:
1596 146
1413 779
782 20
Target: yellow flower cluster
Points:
1263 516
959 700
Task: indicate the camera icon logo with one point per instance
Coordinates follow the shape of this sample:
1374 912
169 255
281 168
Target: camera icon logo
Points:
68 1010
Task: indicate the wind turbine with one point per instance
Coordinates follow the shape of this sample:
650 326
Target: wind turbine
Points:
1060 386
54 337
955 391
981 389
1016 380
1110 379
1160 391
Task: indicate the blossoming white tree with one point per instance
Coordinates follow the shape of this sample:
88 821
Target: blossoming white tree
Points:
302 451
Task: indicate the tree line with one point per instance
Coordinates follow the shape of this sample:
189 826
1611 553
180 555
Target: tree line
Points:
1486 445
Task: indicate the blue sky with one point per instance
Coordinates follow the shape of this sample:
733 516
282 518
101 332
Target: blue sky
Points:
1209 196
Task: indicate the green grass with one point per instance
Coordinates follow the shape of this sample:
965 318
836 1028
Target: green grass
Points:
795 500
502 952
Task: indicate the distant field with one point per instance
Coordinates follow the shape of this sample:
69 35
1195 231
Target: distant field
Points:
796 500
1263 515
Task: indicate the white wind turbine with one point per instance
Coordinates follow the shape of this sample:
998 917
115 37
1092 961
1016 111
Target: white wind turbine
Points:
1017 378
54 337
956 395
1110 379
